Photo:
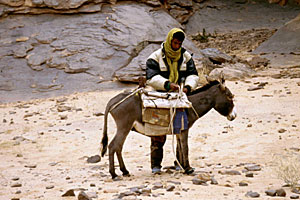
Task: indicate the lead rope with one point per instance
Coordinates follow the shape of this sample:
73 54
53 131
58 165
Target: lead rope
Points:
172 114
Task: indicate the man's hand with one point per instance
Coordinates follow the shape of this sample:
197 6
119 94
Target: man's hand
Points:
185 90
174 87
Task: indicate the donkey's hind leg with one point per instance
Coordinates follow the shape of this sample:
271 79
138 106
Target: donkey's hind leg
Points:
116 146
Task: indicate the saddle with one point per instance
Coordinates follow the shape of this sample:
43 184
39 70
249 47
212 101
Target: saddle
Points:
159 109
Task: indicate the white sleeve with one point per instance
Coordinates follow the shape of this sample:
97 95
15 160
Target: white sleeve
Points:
157 82
192 81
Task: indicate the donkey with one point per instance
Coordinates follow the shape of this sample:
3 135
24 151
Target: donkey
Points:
129 112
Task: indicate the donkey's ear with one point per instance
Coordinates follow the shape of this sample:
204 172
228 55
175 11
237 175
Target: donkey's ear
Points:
222 81
221 77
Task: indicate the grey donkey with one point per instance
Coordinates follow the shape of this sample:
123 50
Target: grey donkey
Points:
213 95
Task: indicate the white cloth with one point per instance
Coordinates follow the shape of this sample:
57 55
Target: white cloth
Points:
155 99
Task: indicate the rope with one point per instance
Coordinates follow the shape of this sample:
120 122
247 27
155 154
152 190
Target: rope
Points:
172 114
131 94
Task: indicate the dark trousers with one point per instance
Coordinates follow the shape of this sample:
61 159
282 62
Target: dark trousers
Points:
157 152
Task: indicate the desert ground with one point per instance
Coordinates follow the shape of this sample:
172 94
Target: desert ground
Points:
45 144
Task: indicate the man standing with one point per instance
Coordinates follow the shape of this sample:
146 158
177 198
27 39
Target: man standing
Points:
165 69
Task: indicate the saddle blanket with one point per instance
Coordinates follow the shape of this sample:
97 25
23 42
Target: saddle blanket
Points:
153 99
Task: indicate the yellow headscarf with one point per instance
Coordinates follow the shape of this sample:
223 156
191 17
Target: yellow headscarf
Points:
172 56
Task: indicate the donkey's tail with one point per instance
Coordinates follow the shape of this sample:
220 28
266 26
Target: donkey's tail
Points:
104 140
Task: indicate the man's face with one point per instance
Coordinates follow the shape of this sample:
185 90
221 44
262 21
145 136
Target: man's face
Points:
176 44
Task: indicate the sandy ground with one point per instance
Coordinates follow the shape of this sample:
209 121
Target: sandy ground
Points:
44 152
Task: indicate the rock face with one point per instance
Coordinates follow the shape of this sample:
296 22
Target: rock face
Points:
50 54
285 40
39 51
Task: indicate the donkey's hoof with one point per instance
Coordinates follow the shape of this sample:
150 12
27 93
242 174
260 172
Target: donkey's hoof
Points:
189 170
126 174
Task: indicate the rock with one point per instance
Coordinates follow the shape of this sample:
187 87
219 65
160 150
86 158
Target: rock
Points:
271 193
31 166
49 187
243 183
197 181
253 167
146 190
137 66
157 185
71 192
253 88
216 56
92 195
252 194
62 108
16 185
230 172
249 174
295 190
97 114
21 51
232 72
15 178
170 188
257 61
214 181
94 159
280 192
282 130
83 196
294 196
279 42
63 117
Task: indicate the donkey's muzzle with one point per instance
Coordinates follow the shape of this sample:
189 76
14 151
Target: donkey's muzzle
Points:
232 115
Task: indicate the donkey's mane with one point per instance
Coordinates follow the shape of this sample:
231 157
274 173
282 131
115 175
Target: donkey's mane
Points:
205 87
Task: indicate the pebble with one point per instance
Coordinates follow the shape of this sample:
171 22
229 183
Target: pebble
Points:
94 159
83 196
49 187
30 166
15 178
214 181
253 167
157 185
282 130
249 174
296 191
294 196
230 172
271 193
280 192
97 114
16 185
146 190
253 88
252 194
197 181
170 188
243 183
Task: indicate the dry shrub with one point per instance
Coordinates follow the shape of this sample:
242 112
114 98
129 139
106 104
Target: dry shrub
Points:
287 168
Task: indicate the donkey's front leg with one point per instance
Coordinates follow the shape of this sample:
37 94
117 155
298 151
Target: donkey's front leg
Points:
185 152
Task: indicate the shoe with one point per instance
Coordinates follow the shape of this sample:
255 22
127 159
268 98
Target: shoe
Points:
156 170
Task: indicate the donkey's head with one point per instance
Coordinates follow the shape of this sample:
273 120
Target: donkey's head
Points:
224 100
